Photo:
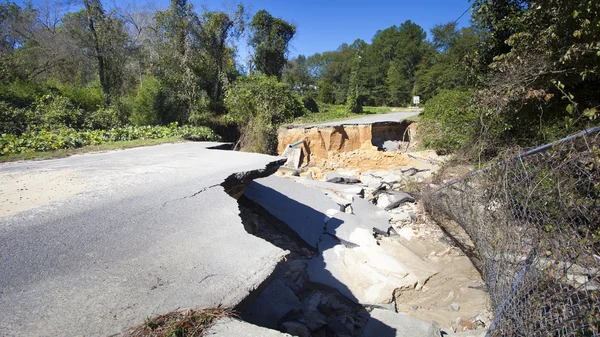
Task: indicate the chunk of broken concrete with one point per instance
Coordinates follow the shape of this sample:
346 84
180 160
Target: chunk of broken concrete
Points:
401 217
296 329
273 303
391 146
388 323
228 327
336 178
358 228
340 189
294 157
368 273
370 180
391 199
301 208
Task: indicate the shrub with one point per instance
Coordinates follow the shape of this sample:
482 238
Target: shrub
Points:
143 108
88 98
12 120
259 104
68 138
310 104
448 121
102 119
54 112
20 93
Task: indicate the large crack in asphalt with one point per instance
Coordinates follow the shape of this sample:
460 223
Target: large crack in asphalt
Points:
289 301
235 183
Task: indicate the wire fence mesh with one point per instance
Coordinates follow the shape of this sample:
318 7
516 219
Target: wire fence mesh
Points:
535 224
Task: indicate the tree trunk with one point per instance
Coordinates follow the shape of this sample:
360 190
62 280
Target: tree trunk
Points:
91 13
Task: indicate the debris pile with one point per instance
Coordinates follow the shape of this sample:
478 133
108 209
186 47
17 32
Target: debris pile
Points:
369 248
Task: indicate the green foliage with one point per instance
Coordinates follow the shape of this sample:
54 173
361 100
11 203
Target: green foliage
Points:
68 138
386 74
270 40
444 68
310 104
20 93
259 104
298 76
103 119
542 81
54 112
88 98
12 120
352 103
143 106
448 122
332 112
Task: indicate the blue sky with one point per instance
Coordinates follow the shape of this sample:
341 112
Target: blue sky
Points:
323 25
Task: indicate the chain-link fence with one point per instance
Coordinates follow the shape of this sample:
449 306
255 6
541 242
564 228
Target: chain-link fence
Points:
535 224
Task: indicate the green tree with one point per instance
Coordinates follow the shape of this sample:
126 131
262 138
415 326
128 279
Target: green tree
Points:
108 42
259 104
408 54
218 29
179 67
270 39
297 75
443 67
542 83
352 101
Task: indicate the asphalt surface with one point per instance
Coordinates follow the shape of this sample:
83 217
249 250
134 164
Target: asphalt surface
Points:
381 118
150 232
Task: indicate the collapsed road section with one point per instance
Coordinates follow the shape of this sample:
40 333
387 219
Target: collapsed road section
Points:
93 244
365 259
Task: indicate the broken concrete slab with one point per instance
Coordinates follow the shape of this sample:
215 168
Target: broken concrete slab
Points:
340 189
382 321
392 199
153 231
267 312
367 274
391 145
229 327
303 209
350 260
371 214
336 178
294 157
371 180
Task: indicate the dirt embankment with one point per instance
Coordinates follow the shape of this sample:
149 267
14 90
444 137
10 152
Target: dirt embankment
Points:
357 146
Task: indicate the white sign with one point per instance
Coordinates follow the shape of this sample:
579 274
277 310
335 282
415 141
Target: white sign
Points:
416 100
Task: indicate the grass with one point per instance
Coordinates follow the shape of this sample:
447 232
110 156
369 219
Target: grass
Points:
377 109
88 149
189 323
332 113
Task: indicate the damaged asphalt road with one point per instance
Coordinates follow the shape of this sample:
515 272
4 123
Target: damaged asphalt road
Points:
147 231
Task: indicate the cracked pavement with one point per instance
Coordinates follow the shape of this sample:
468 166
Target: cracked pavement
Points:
146 231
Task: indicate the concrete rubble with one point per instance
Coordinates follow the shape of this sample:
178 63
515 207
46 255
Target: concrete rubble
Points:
373 248
233 327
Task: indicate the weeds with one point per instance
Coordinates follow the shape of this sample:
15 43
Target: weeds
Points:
189 323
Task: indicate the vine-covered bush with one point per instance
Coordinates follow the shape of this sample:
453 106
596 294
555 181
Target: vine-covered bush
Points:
448 121
69 138
258 105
